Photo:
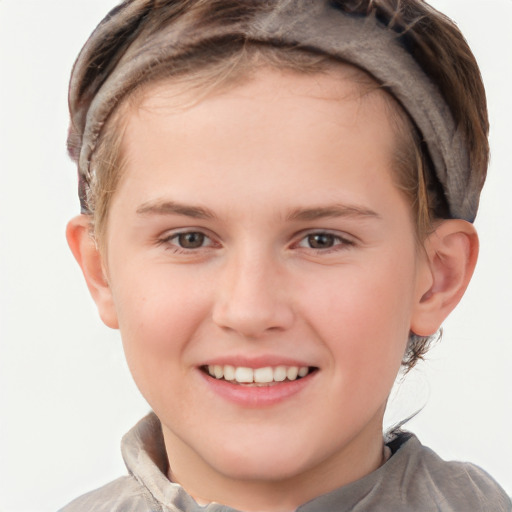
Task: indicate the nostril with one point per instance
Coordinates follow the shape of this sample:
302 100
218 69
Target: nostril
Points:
251 319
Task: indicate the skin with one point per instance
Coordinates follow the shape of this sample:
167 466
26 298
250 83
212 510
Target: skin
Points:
259 170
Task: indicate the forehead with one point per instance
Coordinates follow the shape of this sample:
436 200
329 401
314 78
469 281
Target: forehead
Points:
286 122
302 96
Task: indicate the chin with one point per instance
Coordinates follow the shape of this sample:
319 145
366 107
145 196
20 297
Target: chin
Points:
270 464
274 470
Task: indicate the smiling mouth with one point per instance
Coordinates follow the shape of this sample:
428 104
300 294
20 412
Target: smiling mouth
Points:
257 376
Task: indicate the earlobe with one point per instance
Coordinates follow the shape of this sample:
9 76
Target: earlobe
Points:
88 256
451 254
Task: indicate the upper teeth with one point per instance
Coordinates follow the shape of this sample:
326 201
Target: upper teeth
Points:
257 375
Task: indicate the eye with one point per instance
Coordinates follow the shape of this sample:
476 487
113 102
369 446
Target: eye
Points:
321 240
324 241
192 240
186 241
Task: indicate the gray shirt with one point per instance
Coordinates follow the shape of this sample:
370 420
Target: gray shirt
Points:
413 479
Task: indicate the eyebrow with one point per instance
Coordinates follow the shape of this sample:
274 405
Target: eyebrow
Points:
174 208
331 211
298 214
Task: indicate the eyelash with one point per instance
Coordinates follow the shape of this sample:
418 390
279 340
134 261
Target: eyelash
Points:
167 241
339 243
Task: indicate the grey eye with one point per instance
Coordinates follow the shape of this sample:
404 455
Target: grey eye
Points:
191 240
321 241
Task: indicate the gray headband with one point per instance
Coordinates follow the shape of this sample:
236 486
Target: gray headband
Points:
316 25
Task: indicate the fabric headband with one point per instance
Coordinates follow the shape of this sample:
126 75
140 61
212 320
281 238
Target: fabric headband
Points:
317 25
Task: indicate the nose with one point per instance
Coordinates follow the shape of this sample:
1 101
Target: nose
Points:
252 298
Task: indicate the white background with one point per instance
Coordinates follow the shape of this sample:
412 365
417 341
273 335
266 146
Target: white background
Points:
65 394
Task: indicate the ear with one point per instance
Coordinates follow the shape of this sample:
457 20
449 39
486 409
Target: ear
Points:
86 252
451 252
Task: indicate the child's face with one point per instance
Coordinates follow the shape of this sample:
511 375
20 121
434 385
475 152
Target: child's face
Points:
262 228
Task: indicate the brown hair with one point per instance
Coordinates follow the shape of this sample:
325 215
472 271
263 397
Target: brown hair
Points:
432 39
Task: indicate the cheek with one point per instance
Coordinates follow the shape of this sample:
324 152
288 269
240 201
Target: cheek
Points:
157 329
364 315
159 315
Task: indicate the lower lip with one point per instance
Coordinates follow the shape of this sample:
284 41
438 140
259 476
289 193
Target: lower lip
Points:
257 396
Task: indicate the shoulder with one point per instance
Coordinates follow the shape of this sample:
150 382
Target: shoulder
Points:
122 495
450 485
